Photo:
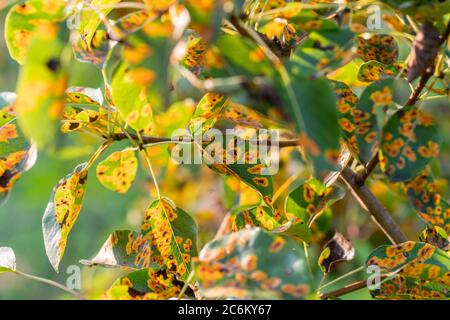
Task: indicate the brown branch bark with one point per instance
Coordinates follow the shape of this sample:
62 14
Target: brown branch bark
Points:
154 139
347 289
379 214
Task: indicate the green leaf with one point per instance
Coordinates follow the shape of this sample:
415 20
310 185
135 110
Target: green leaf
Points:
431 206
436 236
209 108
380 47
41 86
62 212
312 105
324 50
421 10
241 158
84 112
337 250
146 284
174 234
253 264
375 98
346 103
306 203
167 240
414 260
404 288
24 19
374 71
89 20
246 58
17 154
125 248
7 260
117 172
410 142
259 216
129 92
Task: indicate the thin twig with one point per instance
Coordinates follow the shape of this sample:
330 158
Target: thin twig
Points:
372 164
374 207
50 282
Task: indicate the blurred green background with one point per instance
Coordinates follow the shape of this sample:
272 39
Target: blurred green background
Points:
20 218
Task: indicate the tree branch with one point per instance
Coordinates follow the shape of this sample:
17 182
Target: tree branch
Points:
372 164
347 289
153 139
374 207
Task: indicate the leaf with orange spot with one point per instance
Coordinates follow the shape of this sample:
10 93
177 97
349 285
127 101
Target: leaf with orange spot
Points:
374 71
379 47
17 154
430 205
117 172
437 237
24 19
375 99
208 110
410 141
125 248
259 216
253 264
415 261
174 234
41 85
404 288
62 213
307 202
241 157
145 284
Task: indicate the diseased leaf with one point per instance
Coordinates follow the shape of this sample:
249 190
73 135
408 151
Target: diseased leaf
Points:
415 261
7 260
243 159
436 236
146 284
90 20
346 103
129 87
431 206
62 212
209 108
253 264
404 288
167 241
24 19
41 86
422 10
117 172
260 216
337 250
17 154
410 142
305 203
379 47
174 233
374 71
375 99
324 50
125 248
